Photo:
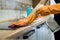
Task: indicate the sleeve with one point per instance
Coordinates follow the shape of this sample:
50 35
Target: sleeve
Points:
49 9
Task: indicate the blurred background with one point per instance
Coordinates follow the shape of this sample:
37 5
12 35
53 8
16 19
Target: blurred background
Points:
14 9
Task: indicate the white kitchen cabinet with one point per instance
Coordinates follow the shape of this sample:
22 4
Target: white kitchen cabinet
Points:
41 32
30 35
44 33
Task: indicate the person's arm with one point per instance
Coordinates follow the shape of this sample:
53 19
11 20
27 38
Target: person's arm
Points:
25 21
45 10
49 9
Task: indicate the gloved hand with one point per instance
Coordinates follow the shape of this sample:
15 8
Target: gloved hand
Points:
25 21
22 22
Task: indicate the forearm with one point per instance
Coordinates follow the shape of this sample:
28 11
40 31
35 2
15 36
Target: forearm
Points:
27 20
55 9
50 9
32 16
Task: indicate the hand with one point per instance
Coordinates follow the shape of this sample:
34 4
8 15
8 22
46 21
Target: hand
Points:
25 21
22 22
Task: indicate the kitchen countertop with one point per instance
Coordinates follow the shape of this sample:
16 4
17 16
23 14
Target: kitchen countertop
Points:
14 33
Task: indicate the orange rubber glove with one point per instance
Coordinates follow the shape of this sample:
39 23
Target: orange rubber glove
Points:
25 21
45 10
49 9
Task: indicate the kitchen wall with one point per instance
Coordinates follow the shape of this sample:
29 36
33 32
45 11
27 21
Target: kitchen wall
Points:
10 9
8 14
26 1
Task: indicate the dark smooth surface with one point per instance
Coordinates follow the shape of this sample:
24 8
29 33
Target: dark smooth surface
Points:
57 35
